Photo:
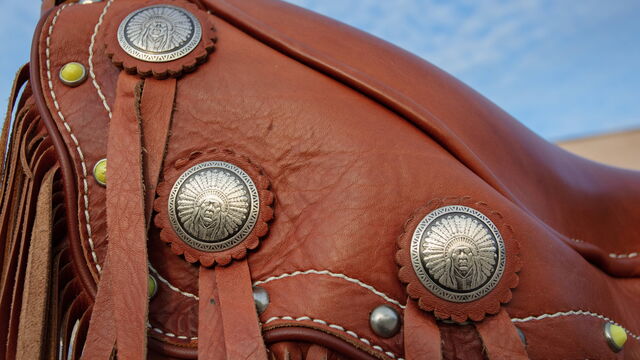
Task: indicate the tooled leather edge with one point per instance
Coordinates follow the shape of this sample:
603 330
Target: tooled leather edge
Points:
68 173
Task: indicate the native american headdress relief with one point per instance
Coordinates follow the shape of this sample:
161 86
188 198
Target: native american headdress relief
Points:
459 252
212 204
159 29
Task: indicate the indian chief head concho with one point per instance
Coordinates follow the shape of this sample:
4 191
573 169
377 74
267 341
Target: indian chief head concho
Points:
212 204
159 29
459 253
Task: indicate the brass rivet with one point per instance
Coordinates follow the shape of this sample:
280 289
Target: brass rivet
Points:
616 336
153 286
100 172
73 74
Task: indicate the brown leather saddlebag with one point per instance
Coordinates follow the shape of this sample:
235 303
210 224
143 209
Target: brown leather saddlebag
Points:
282 186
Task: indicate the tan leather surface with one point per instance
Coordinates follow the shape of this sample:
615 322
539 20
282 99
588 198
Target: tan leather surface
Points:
126 222
33 315
210 333
241 327
500 338
421 334
354 140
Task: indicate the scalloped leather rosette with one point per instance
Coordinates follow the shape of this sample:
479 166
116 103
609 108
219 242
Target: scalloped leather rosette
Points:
238 251
160 70
437 278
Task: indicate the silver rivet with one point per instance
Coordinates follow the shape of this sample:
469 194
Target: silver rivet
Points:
84 2
385 321
522 337
261 299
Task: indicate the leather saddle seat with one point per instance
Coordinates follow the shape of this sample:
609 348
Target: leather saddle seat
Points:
355 136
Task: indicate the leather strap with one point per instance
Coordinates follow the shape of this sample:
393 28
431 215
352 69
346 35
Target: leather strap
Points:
156 109
210 331
21 78
421 334
101 336
33 315
500 337
242 334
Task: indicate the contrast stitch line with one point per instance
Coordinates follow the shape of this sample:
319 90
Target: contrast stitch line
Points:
573 312
187 294
623 256
85 184
91 46
336 327
171 335
335 275
614 255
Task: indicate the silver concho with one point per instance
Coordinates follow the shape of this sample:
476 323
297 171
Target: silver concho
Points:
159 33
213 206
458 253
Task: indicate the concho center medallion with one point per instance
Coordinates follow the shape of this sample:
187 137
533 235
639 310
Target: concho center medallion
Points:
458 253
159 33
213 206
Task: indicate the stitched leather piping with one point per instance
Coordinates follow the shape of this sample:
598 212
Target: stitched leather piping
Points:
68 173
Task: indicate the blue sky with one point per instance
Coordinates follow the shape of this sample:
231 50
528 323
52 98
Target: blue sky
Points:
564 68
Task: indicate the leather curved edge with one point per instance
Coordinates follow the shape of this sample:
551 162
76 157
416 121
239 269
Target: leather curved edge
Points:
308 335
68 174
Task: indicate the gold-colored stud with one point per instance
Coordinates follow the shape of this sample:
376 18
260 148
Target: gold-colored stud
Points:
100 172
153 286
616 336
73 74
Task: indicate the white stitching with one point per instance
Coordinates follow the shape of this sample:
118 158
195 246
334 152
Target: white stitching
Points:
337 327
171 335
187 294
573 312
91 73
614 255
623 256
71 134
335 275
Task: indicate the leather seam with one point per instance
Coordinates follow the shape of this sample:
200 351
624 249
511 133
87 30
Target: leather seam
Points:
172 287
570 313
334 327
334 275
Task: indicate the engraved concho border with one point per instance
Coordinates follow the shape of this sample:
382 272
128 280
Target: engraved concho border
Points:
246 229
421 272
149 56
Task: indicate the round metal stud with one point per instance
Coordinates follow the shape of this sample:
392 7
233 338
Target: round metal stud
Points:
159 33
85 2
616 336
385 321
153 286
213 206
100 172
72 74
261 299
458 253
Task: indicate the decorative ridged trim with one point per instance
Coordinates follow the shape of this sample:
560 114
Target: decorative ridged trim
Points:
572 313
335 327
334 275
